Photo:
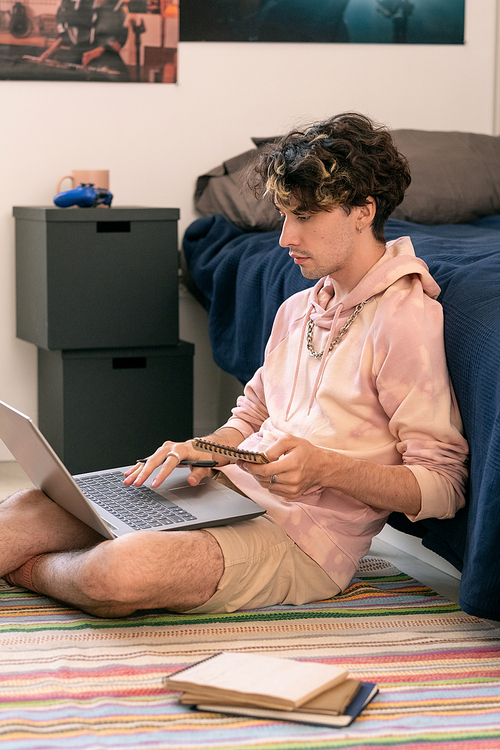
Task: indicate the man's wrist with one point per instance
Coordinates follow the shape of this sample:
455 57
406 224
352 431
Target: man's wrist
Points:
226 436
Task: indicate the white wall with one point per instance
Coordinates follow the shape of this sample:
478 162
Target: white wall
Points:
155 139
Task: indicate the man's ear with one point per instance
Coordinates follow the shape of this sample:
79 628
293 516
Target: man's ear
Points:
367 213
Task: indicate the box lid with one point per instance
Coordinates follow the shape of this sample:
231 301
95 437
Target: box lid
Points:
100 213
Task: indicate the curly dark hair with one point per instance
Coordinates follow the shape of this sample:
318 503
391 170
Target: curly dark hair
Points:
338 162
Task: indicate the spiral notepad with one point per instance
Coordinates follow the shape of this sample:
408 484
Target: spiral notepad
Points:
232 454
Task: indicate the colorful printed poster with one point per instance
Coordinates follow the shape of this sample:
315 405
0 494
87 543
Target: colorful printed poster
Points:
89 40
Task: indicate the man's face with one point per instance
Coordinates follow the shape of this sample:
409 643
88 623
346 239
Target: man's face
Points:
322 243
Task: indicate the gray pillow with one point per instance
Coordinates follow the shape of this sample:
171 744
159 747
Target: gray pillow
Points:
455 176
224 191
455 179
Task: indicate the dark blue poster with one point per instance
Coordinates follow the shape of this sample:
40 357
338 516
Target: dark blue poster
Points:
330 21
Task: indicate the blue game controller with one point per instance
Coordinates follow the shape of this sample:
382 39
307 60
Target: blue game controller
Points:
85 196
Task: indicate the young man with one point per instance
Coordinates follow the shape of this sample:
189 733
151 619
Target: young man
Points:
353 407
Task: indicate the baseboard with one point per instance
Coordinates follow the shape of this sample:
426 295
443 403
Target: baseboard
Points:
413 546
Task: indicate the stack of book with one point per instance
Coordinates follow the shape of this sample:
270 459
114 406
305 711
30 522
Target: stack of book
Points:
270 687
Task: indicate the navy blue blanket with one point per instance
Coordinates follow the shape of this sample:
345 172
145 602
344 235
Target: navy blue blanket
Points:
244 277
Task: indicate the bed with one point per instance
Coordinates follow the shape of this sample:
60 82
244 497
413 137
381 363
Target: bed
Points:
233 264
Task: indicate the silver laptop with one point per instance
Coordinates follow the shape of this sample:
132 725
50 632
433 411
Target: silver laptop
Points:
93 497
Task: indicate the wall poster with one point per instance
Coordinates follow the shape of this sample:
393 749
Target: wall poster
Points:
89 40
356 21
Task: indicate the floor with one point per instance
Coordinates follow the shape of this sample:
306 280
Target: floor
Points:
13 478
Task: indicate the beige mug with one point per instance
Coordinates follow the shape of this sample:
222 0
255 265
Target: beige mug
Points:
97 177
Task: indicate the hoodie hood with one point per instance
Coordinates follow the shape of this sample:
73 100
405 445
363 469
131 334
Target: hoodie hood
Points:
399 260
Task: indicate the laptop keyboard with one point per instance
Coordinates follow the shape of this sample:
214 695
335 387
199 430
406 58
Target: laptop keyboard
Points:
139 507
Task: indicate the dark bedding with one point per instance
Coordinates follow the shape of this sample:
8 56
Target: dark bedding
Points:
242 278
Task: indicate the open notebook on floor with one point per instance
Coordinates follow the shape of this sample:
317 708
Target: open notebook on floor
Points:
102 501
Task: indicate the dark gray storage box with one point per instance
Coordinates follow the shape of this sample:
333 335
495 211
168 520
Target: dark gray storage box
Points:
104 408
89 278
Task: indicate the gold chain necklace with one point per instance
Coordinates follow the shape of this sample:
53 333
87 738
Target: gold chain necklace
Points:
338 338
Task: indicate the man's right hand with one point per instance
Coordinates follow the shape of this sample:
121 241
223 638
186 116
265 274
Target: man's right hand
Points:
138 474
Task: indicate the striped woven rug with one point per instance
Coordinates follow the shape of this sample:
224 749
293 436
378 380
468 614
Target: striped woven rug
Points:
68 680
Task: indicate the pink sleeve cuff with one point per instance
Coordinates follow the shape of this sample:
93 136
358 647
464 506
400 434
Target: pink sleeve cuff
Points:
440 499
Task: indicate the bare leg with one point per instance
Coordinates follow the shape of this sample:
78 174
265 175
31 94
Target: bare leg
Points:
175 570
31 524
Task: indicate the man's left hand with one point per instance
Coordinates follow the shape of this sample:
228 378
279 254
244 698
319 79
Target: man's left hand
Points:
295 465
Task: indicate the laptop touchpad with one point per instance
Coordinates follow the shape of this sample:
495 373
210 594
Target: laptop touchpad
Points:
193 493
177 480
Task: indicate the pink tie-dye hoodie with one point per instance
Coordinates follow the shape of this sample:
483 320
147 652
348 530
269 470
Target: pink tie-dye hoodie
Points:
382 394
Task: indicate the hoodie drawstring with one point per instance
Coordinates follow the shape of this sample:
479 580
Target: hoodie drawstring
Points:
323 360
297 366
324 357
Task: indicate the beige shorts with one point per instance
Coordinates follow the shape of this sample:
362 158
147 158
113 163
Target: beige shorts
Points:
262 567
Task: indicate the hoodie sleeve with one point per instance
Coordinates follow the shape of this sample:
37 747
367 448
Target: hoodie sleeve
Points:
250 411
414 390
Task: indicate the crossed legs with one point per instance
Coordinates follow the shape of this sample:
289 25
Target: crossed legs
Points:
110 578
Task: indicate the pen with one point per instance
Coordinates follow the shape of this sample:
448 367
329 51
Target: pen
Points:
187 462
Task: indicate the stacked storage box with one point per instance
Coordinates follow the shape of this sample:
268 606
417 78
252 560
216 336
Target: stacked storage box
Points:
97 293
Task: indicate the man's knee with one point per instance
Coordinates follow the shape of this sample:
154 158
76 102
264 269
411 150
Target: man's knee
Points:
29 500
32 510
45 524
